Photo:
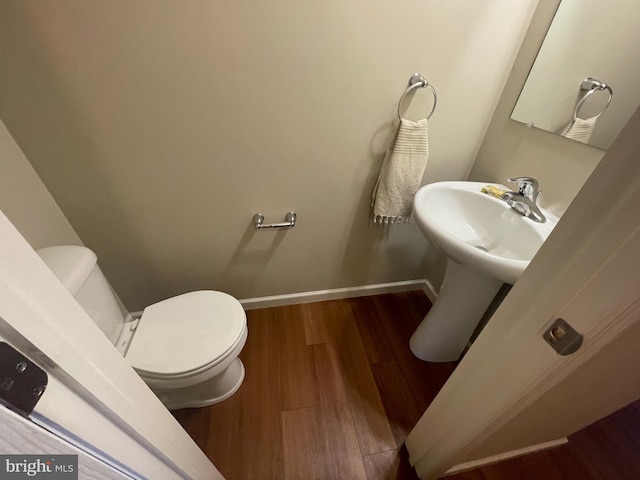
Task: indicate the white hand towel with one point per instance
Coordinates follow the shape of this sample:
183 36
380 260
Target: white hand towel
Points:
580 130
401 172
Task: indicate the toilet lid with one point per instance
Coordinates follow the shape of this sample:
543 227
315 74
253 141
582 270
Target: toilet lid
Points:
185 333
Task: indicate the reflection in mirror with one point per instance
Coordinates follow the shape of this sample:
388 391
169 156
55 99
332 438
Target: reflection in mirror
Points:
585 82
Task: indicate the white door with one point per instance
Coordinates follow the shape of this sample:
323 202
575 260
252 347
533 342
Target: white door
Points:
587 273
93 399
22 437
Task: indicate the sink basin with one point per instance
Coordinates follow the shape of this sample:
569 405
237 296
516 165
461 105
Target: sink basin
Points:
477 230
487 244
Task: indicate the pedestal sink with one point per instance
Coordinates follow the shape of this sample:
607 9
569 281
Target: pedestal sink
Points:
487 243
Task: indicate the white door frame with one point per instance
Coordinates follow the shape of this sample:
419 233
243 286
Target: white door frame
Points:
587 273
93 397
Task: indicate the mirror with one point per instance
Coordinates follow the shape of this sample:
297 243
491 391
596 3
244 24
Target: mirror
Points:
590 57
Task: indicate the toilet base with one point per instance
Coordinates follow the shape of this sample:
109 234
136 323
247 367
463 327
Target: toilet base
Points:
214 390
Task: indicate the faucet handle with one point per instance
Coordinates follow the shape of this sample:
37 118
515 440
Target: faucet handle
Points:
527 186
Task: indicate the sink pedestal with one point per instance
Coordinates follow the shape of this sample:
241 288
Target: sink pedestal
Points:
464 297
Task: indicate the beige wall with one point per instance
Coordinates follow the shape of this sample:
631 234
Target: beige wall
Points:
511 149
26 202
162 127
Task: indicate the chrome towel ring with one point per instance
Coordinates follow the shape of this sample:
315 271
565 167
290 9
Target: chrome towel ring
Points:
418 81
591 85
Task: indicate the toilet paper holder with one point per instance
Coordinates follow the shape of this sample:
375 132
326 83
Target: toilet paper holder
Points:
289 221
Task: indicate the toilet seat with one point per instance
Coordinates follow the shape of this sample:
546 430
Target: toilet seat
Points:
184 335
198 374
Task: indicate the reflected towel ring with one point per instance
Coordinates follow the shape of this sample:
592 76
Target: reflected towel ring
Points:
418 81
591 85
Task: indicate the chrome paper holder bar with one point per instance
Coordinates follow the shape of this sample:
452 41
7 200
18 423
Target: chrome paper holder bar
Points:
289 221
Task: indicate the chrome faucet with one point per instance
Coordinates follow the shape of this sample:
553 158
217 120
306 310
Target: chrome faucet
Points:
524 201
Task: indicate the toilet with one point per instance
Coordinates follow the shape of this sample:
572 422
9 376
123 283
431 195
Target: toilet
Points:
185 348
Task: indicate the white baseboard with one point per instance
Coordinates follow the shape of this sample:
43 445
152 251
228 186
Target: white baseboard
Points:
463 467
334 294
339 293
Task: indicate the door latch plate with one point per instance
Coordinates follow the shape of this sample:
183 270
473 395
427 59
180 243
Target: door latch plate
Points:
22 382
562 337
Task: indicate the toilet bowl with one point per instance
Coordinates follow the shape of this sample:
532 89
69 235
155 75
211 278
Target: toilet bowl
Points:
185 348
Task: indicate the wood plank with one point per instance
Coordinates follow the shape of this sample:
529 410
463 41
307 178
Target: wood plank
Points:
608 449
325 321
361 408
302 445
404 402
372 427
295 362
342 457
604 448
197 423
535 466
391 465
376 323
386 324
418 303
247 425
402 315
570 465
475 474
255 423
388 330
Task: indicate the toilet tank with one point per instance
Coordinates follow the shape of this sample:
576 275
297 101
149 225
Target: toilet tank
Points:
77 268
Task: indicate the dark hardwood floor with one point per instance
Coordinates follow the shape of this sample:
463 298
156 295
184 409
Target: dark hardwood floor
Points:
606 450
332 390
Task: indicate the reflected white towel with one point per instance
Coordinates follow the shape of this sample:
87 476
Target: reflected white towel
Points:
580 130
401 172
